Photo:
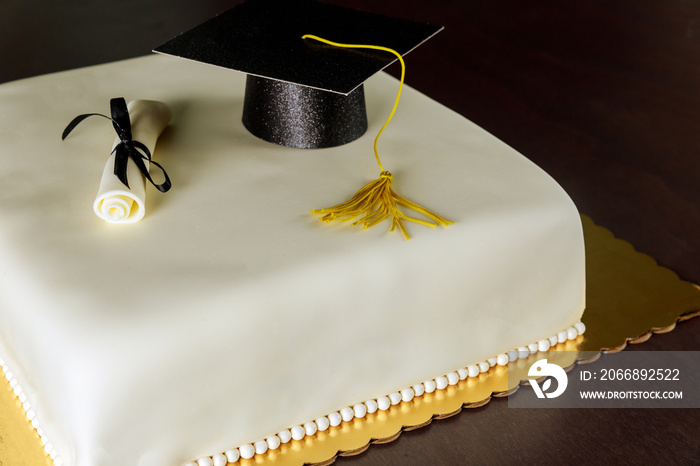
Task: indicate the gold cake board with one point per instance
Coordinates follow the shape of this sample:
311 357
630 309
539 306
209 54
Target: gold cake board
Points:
628 298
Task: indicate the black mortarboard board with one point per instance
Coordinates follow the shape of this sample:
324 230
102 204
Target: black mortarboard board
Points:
300 93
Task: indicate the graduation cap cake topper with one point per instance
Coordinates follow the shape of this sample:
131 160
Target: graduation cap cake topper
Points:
304 90
300 93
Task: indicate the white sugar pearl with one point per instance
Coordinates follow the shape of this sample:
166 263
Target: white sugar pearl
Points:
571 333
35 423
285 436
441 382
580 328
360 410
502 359
492 361
543 345
463 373
232 455
553 340
335 419
205 462
273 443
533 347
310 428
371 406
383 403
395 398
418 389
298 433
260 447
247 451
523 352
48 447
219 460
57 462
430 386
39 432
473 370
512 355
30 414
484 366
407 394
54 454
561 336
22 398
322 424
347 414
452 378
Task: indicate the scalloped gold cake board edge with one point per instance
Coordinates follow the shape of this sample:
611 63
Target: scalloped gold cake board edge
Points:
629 297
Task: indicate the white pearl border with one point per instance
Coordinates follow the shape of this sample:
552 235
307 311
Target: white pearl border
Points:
383 403
346 414
30 414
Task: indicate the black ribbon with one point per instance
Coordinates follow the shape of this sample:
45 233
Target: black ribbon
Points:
127 147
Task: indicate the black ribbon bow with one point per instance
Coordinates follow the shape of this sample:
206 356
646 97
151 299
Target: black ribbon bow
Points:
127 148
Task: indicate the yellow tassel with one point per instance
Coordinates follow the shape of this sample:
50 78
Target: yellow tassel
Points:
377 200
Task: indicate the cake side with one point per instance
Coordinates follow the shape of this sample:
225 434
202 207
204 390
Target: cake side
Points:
227 313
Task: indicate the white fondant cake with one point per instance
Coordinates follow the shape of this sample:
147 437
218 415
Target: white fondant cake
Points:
230 313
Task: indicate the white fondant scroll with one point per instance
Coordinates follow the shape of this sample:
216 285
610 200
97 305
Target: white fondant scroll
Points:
115 202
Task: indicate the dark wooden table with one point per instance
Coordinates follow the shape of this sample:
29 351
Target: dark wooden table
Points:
605 96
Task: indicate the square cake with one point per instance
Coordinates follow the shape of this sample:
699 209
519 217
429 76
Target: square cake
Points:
229 319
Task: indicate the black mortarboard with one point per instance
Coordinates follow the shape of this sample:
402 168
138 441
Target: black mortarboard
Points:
300 93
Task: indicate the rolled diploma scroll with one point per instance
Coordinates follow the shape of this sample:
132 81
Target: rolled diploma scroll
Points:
115 202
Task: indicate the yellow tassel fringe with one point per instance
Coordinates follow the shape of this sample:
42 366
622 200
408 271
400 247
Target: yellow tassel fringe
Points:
377 201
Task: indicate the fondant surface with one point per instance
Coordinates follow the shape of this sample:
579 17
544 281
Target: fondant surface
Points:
229 313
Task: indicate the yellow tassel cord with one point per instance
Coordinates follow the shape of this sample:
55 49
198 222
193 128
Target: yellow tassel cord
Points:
377 200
